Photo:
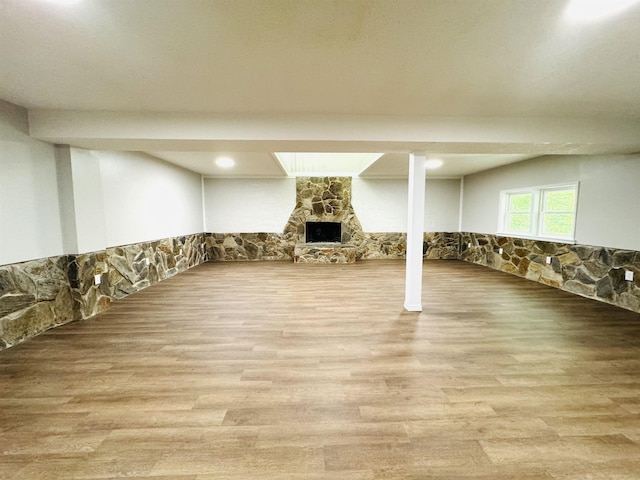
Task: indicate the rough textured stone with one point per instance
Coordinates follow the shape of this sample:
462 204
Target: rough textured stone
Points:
582 276
618 282
545 248
13 302
604 288
590 271
570 258
7 284
596 268
585 252
42 293
441 245
324 199
623 257
534 272
579 288
64 308
550 277
604 256
249 246
523 266
22 280
384 245
27 323
324 253
121 266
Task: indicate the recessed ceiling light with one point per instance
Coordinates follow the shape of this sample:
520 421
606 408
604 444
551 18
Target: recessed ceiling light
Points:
592 10
225 162
433 164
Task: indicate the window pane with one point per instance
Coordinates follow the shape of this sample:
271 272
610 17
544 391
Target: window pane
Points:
520 202
519 222
557 223
559 200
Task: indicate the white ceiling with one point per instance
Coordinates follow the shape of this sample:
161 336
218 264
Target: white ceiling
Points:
389 165
287 73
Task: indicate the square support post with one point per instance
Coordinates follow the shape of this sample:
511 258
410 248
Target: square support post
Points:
415 233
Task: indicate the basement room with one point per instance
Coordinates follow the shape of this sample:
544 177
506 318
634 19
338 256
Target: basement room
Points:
318 239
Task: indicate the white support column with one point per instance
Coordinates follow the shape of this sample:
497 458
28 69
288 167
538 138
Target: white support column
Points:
415 233
81 201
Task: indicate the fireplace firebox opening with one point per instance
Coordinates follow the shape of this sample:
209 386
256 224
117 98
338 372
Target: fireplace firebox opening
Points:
329 232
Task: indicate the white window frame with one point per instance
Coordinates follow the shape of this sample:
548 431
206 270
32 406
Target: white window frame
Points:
537 212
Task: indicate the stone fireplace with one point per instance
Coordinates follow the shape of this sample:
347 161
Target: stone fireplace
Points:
324 205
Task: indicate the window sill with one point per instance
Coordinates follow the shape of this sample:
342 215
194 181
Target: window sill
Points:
569 241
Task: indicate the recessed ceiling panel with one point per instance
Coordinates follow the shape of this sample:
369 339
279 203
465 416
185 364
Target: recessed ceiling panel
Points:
453 165
246 164
298 164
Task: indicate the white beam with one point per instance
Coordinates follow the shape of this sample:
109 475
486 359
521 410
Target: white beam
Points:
337 133
415 233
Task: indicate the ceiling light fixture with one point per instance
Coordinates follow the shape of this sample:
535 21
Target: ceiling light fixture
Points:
433 163
225 162
593 10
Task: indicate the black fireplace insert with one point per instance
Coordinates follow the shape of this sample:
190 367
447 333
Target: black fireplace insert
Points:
323 232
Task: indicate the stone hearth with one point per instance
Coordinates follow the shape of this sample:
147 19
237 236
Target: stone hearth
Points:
324 253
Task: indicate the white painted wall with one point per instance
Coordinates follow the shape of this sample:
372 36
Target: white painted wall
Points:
235 205
381 204
608 199
442 205
147 199
264 205
29 211
88 201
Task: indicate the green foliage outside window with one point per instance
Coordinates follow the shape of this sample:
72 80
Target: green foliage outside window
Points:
558 214
557 224
520 202
520 212
541 212
519 222
559 200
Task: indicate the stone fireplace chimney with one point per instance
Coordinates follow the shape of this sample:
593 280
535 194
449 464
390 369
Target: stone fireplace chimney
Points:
325 199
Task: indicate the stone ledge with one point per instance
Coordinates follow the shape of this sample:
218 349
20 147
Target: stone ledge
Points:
324 253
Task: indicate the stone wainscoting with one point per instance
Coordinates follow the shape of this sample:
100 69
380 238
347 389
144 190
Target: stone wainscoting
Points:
228 247
589 271
225 247
324 253
41 294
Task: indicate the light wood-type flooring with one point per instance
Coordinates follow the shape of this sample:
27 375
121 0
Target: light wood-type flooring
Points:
276 370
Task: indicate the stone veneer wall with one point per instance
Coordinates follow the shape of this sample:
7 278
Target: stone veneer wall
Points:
589 271
324 199
227 247
223 247
40 294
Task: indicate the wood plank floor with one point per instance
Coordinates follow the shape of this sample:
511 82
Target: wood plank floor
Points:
284 371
